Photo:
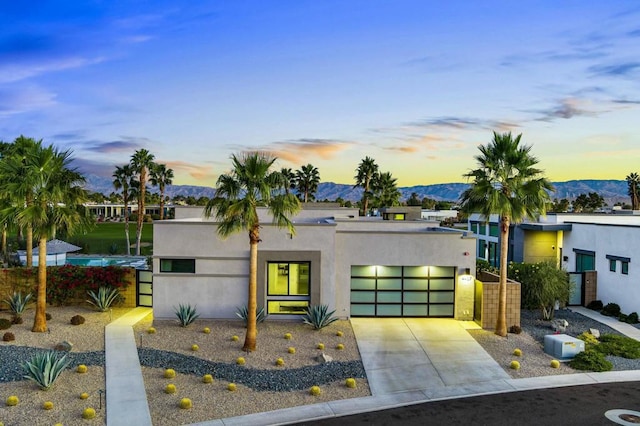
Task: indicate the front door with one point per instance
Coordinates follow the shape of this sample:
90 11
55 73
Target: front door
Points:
144 288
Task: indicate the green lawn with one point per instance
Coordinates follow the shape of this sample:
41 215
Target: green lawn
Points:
108 238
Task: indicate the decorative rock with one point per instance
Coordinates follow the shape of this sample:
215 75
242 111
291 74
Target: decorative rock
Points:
595 332
323 358
559 325
64 346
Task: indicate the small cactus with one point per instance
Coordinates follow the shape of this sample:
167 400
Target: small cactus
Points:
185 403
339 346
517 352
151 330
315 390
84 395
77 320
291 350
240 361
231 387
169 373
279 362
339 333
288 336
235 338
321 346
350 382
206 330
170 388
88 413
47 405
81 369
195 347
515 365
207 378
555 363
12 401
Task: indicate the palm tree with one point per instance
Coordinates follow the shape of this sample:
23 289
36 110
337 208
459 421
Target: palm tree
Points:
57 199
123 179
506 183
289 179
142 162
386 190
161 176
633 183
306 182
364 174
238 194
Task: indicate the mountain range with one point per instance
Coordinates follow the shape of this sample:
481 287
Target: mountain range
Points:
612 191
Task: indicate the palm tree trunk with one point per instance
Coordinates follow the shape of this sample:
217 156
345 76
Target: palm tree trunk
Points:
29 246
5 255
40 320
501 321
141 200
126 228
252 302
161 203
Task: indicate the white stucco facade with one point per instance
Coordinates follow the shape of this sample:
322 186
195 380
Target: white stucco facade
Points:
330 240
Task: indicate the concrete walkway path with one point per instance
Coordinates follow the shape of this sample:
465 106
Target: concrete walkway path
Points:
622 327
126 395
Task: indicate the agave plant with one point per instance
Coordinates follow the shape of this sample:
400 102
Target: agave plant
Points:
104 297
243 313
186 314
45 367
17 303
318 317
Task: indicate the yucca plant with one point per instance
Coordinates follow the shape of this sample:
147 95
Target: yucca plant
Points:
186 314
318 316
243 313
45 367
17 303
103 298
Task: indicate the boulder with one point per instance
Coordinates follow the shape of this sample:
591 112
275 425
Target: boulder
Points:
559 325
323 358
64 346
595 332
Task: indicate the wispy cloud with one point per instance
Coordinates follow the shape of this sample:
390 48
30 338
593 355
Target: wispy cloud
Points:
301 151
621 69
199 172
566 109
15 100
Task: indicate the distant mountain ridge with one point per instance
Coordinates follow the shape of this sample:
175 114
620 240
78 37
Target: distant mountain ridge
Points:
612 191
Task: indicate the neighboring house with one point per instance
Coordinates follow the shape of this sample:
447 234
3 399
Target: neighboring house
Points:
358 266
596 249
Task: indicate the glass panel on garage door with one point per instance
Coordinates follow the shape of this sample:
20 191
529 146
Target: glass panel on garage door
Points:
408 291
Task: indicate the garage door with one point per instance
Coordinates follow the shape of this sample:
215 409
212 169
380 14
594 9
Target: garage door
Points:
402 291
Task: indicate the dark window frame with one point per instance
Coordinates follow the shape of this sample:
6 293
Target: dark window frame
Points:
275 295
191 268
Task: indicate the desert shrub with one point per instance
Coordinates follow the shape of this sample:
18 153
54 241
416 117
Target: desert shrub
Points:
17 304
541 285
515 329
588 339
318 316
48 316
611 310
186 314
243 313
590 360
623 346
483 265
595 305
45 367
632 318
104 297
5 324
8 337
77 320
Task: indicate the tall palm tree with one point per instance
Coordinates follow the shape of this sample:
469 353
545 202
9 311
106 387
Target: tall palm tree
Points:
289 179
633 183
306 182
364 174
238 194
142 162
386 190
123 178
57 205
161 176
506 183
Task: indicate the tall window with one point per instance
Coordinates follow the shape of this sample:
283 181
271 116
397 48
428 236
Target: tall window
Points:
288 287
585 260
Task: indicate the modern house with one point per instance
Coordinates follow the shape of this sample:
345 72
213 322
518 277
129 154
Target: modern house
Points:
388 266
596 249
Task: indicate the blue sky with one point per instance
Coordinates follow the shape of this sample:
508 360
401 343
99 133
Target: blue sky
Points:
415 84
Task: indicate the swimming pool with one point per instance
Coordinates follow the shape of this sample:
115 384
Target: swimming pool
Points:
138 262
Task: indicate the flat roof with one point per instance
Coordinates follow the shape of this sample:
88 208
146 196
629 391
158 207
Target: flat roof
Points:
548 227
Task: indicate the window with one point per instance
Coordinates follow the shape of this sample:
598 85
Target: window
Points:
624 263
585 260
494 257
494 230
288 287
482 228
482 249
187 266
612 265
398 216
625 268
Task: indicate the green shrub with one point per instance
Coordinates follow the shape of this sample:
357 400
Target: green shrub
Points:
611 310
541 285
17 303
623 346
595 305
186 314
318 317
590 360
104 297
243 313
589 339
45 367
632 318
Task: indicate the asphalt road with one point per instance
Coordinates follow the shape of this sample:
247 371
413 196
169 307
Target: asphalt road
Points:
567 406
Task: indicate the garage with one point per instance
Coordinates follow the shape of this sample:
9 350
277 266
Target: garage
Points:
402 291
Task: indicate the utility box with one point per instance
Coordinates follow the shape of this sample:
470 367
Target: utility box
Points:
562 346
